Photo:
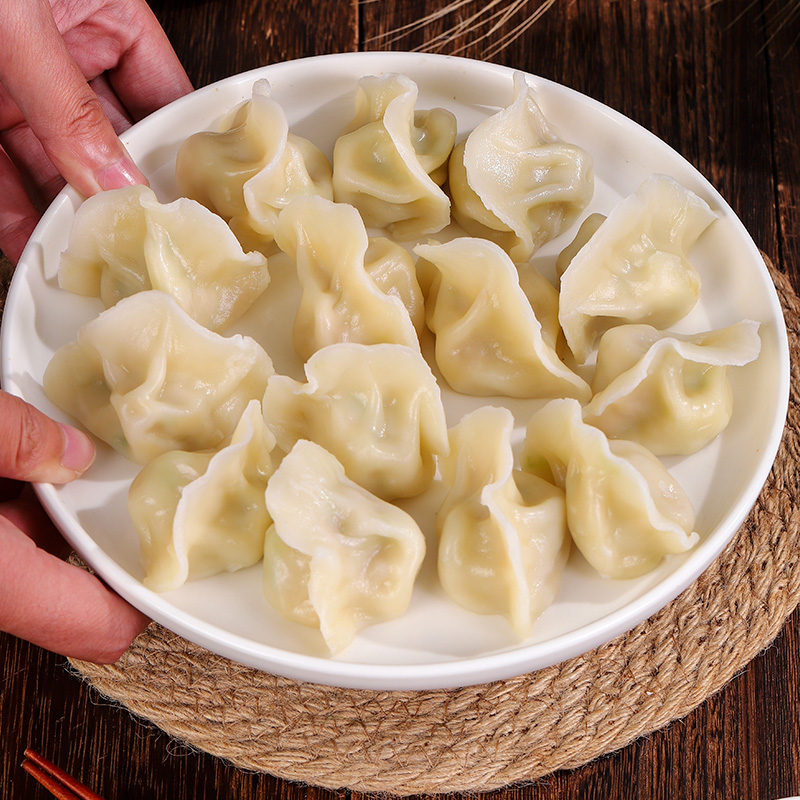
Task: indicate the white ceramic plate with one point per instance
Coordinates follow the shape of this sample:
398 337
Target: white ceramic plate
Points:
435 644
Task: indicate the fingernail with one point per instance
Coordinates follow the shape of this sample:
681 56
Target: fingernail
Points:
79 450
119 174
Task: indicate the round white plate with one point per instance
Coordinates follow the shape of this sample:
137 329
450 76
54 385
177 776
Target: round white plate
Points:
435 644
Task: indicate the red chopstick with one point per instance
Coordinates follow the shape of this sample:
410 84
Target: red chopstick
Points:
55 780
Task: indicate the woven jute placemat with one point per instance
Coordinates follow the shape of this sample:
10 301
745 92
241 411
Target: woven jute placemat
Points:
485 737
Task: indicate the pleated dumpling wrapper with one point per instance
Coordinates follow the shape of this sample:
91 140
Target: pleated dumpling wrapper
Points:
503 538
669 392
634 267
377 408
514 181
336 557
146 378
125 241
391 160
489 340
252 167
624 510
341 301
198 514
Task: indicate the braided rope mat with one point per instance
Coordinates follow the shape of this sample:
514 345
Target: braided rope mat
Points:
485 737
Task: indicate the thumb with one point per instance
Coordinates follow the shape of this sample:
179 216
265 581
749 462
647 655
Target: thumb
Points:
34 447
58 104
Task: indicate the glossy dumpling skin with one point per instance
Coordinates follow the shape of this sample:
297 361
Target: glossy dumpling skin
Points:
336 557
392 269
105 254
624 510
341 301
669 392
147 379
198 514
514 181
390 161
634 268
252 168
376 408
488 338
124 241
503 538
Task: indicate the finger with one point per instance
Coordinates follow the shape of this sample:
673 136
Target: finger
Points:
149 74
126 40
63 111
59 606
124 37
39 175
18 216
34 447
27 154
117 114
27 515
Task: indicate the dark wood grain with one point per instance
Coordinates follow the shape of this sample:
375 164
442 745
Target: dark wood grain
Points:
783 73
721 84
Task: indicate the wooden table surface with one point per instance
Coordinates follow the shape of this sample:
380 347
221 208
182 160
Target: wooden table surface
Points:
719 80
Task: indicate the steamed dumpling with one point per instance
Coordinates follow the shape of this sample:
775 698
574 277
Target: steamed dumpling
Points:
147 379
624 510
634 268
252 168
124 241
514 181
377 408
666 391
392 268
391 159
337 557
341 301
105 255
488 338
503 538
198 514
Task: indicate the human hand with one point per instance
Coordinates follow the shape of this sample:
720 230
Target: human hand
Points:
53 123
43 599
